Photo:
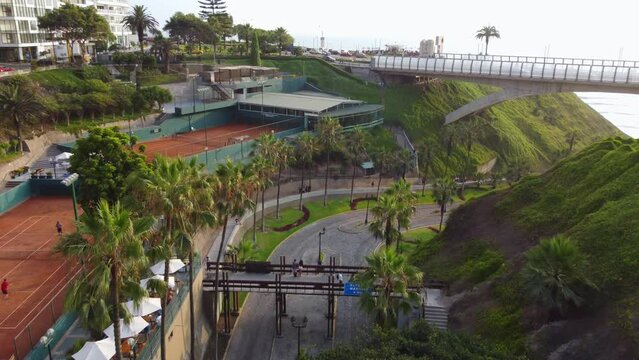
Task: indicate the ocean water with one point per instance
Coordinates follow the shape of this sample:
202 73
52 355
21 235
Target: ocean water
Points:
620 109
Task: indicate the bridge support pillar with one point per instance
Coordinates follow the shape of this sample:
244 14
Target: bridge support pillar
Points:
278 305
235 303
226 305
330 316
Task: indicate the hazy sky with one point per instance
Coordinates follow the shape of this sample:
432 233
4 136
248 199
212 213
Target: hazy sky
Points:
569 28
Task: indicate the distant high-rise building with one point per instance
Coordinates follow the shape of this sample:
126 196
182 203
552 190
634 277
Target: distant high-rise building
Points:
439 44
322 42
426 48
21 39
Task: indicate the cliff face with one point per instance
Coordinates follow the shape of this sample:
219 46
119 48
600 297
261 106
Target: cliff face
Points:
591 198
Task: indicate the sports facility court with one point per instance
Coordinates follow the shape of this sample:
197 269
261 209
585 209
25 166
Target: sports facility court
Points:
194 142
37 278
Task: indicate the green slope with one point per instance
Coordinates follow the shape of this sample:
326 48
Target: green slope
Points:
533 130
591 198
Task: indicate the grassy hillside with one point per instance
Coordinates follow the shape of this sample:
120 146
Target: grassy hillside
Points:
592 199
533 130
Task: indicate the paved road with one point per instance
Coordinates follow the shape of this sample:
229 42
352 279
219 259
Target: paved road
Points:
254 334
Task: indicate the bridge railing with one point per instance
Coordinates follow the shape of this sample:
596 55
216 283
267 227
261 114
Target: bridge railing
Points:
539 59
578 73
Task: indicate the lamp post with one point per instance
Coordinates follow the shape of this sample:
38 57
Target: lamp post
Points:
46 341
299 325
53 163
368 200
319 255
131 342
69 181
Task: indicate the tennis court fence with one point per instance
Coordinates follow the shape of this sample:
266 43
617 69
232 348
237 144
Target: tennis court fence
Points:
26 344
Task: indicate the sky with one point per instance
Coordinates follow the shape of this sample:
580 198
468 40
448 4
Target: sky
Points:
561 28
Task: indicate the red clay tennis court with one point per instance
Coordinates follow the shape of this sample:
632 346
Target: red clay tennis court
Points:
37 277
195 142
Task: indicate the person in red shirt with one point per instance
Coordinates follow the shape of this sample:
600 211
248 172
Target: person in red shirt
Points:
5 288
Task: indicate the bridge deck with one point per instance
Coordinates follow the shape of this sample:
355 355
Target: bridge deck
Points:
620 73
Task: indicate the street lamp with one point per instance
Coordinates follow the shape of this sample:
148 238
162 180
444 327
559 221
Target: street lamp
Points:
53 163
319 258
368 200
132 343
46 341
299 325
69 181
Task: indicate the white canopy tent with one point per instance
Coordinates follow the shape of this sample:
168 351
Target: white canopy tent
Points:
126 331
144 282
174 265
147 306
63 157
98 350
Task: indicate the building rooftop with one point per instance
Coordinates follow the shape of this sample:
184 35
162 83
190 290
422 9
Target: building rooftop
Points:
354 110
306 103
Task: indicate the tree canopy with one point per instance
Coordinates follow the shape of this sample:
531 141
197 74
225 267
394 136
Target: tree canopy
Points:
104 160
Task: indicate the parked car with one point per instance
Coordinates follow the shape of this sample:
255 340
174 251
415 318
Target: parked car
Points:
5 69
329 58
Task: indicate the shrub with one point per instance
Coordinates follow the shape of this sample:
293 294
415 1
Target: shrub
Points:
95 72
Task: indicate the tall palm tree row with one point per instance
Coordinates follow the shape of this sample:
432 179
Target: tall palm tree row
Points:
109 243
487 32
266 146
390 275
138 21
330 137
232 189
283 159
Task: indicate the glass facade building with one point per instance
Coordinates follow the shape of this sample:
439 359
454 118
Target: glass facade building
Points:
22 40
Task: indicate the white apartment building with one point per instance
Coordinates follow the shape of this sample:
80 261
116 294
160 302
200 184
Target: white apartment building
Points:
21 39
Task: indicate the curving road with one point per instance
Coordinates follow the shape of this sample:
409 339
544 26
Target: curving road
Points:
253 336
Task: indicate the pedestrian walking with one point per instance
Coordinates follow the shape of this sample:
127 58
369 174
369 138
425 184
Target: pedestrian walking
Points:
5 288
300 267
58 226
295 268
339 278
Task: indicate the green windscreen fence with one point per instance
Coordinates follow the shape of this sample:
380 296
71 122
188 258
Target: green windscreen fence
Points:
13 197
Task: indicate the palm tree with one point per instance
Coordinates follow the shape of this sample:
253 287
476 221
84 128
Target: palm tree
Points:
283 158
108 241
280 34
406 202
138 21
443 191
554 274
19 104
166 192
383 159
486 33
232 191
261 169
384 214
266 146
245 251
163 47
307 148
356 148
391 276
243 32
330 137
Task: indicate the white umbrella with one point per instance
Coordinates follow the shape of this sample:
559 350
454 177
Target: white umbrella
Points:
174 265
126 331
63 156
98 350
147 306
144 282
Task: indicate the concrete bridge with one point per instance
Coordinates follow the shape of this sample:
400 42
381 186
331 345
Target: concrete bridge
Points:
518 76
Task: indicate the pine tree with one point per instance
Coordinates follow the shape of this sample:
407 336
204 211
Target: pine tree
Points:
211 8
256 60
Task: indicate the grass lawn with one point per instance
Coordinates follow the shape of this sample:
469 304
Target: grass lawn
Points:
6 158
268 241
415 238
159 79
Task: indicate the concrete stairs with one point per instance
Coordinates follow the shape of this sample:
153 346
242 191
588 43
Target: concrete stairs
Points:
43 161
436 316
